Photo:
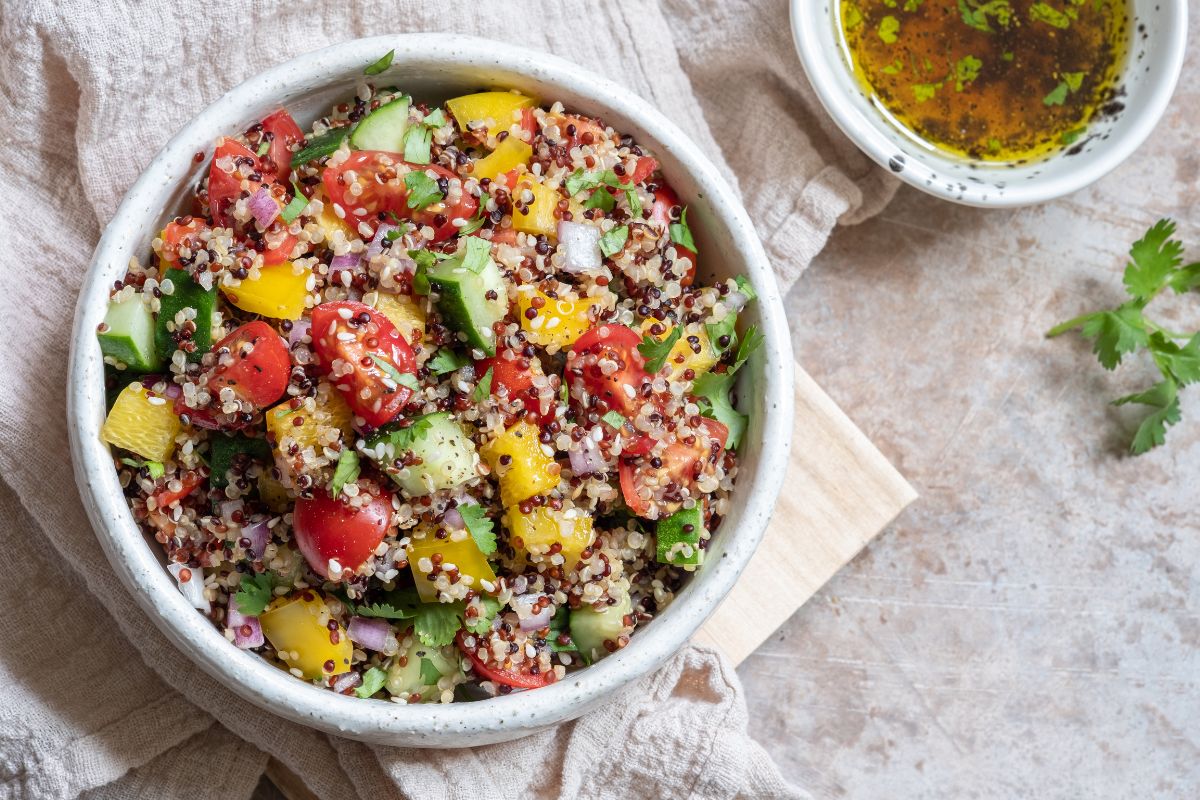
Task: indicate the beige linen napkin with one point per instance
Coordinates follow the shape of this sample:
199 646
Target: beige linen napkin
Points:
94 700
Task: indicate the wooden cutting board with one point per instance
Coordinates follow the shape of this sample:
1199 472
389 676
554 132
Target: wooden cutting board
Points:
838 494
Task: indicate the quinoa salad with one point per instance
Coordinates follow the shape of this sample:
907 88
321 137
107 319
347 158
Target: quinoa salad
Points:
428 402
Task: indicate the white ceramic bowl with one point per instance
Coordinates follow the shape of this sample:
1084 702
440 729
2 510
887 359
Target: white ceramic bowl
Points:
1159 31
437 67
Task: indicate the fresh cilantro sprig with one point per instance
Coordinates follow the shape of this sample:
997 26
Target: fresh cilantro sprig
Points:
347 471
254 593
480 526
385 611
446 360
1155 265
429 673
484 388
483 623
655 352
423 190
406 379
714 390
681 234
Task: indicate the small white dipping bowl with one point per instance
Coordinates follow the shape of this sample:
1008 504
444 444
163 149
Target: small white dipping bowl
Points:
435 67
1155 58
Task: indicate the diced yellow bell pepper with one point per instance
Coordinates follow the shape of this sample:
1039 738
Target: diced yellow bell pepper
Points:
538 216
683 356
497 109
464 554
278 292
559 322
298 628
527 471
142 423
407 314
534 533
329 221
508 155
331 413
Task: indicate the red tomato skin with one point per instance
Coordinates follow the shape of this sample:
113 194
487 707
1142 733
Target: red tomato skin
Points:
628 475
223 187
176 234
391 196
664 199
518 382
325 528
517 680
679 462
643 169
277 164
529 122
259 378
389 345
188 482
616 341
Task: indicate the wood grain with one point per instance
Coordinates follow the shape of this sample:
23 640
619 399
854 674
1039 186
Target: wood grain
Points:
839 492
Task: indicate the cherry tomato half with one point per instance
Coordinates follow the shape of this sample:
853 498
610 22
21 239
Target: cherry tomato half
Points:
519 678
330 528
644 169
382 362
258 375
681 463
225 186
178 234
664 200
619 390
284 134
515 375
381 175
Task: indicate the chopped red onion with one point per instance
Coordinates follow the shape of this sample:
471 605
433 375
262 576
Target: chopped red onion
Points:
346 261
193 587
300 329
259 533
172 389
247 632
346 681
369 632
580 246
228 507
453 518
375 246
263 206
524 603
586 457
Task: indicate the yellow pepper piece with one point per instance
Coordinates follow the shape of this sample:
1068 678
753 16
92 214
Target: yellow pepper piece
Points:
559 322
508 155
683 356
278 292
538 216
527 470
298 628
407 314
328 220
331 413
142 423
541 528
464 555
497 109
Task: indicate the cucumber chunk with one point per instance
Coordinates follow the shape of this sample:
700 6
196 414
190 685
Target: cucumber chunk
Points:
187 294
679 537
128 336
413 677
383 128
223 449
590 628
464 302
447 455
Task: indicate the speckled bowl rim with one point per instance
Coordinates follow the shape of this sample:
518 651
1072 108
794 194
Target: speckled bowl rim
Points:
950 178
140 568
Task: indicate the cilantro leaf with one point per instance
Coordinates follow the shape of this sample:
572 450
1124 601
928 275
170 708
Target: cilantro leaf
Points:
429 673
1153 430
406 379
1116 332
483 623
435 118
751 342
446 360
425 260
255 593
384 611
614 418
1057 95
382 64
401 439
474 223
613 242
417 140
1044 12
601 199
372 681
480 526
681 234
154 468
423 190
263 147
1153 259
345 472
484 388
745 287
712 390
889 29
579 180
656 352
477 253
436 623
1181 363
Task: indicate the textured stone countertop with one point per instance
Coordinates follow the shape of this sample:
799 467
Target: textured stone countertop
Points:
1030 627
